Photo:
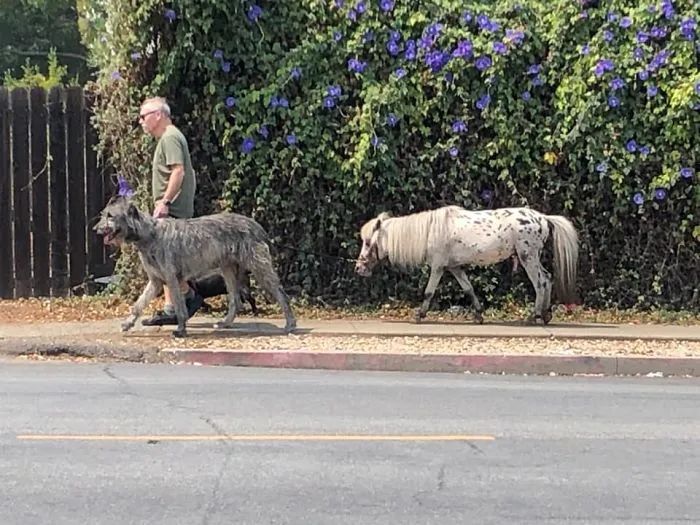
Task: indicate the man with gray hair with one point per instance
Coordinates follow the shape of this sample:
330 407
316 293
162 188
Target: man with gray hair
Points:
173 186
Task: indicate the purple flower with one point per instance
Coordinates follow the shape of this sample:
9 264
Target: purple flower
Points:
660 194
361 7
526 96
697 88
254 12
613 101
392 120
328 102
483 62
612 16
631 145
658 32
534 69
499 48
368 36
375 141
464 49
394 35
296 73
617 83
638 53
386 5
667 9
645 150
430 35
337 36
116 75
170 15
688 26
218 54
486 195
466 17
642 37
458 126
643 74
536 81
602 167
339 3
410 53
291 139
638 199
659 60
263 131
486 24
585 49
400 72
393 47
436 60
123 187
247 145
483 102
230 102
454 151
516 36
278 102
136 55
602 66
608 35
687 173
652 90
356 66
625 22
226 67
333 91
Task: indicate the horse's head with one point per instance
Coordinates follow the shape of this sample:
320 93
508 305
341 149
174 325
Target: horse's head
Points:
372 252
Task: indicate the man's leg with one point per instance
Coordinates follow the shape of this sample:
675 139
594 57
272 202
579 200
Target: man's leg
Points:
167 316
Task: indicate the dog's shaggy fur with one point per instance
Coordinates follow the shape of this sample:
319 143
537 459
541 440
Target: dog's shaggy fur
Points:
175 249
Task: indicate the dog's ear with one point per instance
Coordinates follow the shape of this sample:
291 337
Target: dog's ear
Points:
132 211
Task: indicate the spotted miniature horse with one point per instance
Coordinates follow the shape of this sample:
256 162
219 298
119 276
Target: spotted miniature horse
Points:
449 237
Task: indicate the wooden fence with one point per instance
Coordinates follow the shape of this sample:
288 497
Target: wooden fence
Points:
51 190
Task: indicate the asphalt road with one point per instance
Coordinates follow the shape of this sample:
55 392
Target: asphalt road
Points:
123 444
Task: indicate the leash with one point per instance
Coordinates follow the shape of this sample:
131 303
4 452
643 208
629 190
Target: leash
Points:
321 255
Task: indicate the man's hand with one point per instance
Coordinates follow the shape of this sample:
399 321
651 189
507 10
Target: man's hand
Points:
161 210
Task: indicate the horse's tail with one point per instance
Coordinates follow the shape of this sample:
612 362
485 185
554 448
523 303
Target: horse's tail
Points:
565 241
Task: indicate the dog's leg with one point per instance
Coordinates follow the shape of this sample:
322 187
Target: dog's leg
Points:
266 276
180 307
150 292
231 278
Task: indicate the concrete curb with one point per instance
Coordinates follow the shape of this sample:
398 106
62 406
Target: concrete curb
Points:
489 364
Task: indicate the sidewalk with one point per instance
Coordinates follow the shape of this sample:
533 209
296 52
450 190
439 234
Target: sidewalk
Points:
104 340
342 327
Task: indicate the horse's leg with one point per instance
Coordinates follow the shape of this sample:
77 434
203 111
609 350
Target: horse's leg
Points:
463 281
433 281
542 282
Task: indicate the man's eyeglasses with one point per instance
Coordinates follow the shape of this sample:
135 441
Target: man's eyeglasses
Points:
144 115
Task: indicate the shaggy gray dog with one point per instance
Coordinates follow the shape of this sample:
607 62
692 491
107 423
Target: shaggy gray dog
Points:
175 249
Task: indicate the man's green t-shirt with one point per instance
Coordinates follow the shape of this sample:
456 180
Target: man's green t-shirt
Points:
172 149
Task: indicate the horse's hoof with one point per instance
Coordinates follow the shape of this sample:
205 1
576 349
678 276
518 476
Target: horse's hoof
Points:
478 318
419 315
290 327
547 317
180 333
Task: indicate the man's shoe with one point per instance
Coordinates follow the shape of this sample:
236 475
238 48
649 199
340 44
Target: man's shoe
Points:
163 318
193 304
160 318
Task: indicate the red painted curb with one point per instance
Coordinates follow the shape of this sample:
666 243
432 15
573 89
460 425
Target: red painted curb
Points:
490 364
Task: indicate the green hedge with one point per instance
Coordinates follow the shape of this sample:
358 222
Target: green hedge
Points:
314 116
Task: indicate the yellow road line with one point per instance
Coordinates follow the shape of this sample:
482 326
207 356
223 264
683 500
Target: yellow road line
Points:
246 437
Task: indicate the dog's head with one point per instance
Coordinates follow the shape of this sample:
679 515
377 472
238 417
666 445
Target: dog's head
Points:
119 222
